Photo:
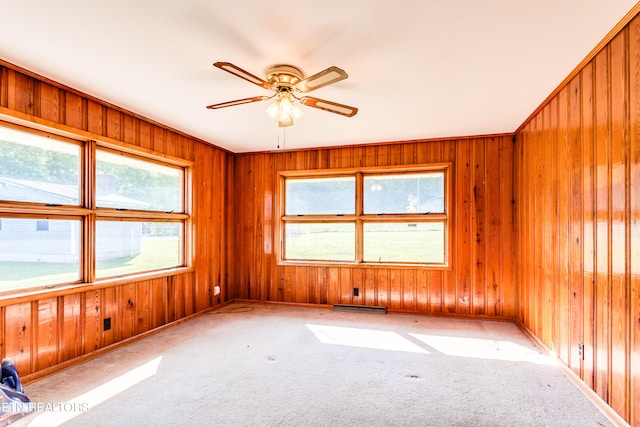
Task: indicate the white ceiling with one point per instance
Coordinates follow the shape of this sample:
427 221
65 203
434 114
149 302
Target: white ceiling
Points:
417 68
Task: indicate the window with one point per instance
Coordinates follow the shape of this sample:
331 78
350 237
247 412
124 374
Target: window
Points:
131 246
126 182
54 222
368 216
38 169
29 257
143 195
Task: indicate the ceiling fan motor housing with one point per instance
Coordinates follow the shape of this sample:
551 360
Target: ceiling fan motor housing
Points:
284 76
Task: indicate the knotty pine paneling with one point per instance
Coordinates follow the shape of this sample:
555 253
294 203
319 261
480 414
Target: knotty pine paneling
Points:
41 331
633 101
18 333
47 334
577 181
481 280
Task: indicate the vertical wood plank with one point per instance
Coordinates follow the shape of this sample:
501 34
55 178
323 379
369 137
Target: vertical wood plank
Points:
48 335
323 288
334 285
458 300
602 241
20 92
634 219
357 282
422 291
548 236
143 306
507 230
395 289
383 287
346 286
110 304
478 221
575 227
71 344
92 321
588 220
51 103
158 299
18 336
409 290
114 124
370 294
74 111
436 285
127 314
617 226
494 284
95 118
562 297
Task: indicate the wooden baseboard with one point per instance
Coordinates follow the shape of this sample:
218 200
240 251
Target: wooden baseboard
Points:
603 406
389 310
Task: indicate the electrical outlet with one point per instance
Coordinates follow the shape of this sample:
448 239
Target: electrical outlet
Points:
107 323
355 292
581 350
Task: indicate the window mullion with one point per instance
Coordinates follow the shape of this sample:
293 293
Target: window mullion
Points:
88 168
359 211
88 263
89 248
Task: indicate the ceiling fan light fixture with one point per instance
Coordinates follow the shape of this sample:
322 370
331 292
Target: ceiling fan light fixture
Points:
284 109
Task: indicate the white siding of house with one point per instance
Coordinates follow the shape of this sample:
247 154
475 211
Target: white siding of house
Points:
21 242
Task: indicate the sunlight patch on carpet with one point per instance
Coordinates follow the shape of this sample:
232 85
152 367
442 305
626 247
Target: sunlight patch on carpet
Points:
86 401
483 349
365 338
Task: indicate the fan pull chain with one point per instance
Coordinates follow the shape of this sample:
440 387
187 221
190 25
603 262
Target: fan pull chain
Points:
284 139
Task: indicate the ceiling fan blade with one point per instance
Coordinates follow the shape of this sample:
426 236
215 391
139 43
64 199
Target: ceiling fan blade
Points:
238 102
237 71
332 107
321 79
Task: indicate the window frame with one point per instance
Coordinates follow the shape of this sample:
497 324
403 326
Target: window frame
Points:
88 214
359 218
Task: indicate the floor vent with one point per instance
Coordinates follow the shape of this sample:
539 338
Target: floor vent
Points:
363 308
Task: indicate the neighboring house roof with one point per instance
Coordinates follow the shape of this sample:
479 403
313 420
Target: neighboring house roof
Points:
60 194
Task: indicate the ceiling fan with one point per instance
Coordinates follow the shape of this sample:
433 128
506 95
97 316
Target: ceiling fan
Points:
288 82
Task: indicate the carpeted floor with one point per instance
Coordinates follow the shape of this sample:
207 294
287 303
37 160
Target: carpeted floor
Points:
272 365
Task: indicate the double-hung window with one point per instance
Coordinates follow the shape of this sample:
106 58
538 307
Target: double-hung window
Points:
76 211
140 214
366 217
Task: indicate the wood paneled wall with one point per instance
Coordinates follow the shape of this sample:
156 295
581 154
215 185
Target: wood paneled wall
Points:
577 166
49 328
481 280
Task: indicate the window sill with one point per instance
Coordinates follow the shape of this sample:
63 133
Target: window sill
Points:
364 265
24 295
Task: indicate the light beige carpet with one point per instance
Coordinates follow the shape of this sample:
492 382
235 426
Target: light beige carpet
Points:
272 365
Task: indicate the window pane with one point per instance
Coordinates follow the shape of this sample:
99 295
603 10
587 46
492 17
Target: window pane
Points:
29 257
127 183
132 246
309 196
37 169
320 241
405 193
421 242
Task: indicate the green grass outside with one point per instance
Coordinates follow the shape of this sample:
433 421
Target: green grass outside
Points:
155 253
418 246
